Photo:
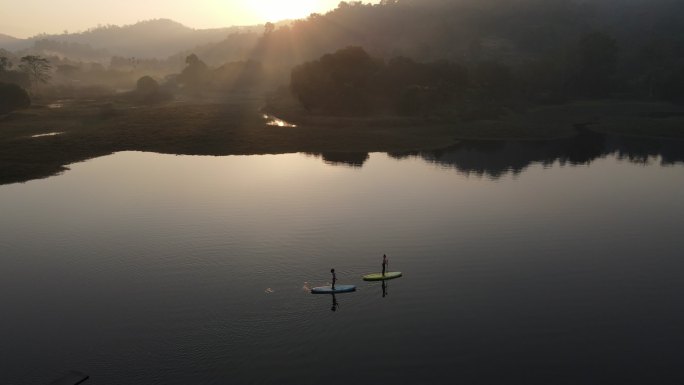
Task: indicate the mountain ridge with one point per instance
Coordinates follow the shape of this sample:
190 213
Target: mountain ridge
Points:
154 38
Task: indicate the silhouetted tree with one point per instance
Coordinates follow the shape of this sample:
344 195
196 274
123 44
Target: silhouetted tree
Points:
38 69
5 64
148 90
15 77
236 76
338 83
147 86
419 88
13 97
195 75
352 82
7 75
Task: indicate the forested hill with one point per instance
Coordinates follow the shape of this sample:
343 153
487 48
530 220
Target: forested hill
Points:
153 38
507 30
159 38
10 42
547 49
550 50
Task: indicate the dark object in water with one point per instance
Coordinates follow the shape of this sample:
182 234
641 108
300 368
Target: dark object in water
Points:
71 378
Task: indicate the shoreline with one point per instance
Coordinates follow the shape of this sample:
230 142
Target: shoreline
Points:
42 141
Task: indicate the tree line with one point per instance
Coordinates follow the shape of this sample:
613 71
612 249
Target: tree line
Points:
31 71
195 79
544 51
352 82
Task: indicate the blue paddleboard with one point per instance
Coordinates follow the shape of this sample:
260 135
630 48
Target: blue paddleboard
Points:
329 289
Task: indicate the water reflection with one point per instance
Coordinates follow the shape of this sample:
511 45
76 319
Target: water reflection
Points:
274 121
56 105
335 304
350 159
580 267
494 159
46 134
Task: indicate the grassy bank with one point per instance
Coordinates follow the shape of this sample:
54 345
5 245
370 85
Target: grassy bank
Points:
85 129
88 129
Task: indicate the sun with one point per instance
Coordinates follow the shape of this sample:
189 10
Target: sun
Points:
275 10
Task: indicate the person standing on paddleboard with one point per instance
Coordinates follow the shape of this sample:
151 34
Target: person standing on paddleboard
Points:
334 278
384 264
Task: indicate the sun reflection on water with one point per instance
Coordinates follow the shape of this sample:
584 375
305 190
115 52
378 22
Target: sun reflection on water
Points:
46 134
273 121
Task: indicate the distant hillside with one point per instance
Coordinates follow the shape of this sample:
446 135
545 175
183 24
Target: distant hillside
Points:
158 38
7 39
235 47
11 43
70 50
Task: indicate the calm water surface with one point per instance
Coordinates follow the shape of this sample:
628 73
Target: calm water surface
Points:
537 263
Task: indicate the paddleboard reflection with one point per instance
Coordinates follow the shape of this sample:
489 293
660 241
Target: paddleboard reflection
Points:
335 304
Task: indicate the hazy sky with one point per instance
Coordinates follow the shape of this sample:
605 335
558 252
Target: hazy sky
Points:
24 18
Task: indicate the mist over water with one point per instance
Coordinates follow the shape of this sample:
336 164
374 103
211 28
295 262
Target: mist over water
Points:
160 269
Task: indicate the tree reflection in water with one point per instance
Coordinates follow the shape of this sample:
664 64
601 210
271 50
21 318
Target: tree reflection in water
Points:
350 159
494 159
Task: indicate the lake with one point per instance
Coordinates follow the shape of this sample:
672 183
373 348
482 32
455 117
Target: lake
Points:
524 263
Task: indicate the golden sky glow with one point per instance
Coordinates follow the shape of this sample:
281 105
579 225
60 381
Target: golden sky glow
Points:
30 17
273 10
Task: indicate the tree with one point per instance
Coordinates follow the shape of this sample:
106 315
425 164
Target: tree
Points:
13 97
340 83
269 28
148 91
38 68
147 86
8 75
5 64
196 75
351 82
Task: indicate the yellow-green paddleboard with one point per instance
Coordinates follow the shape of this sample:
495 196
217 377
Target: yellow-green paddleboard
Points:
380 277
